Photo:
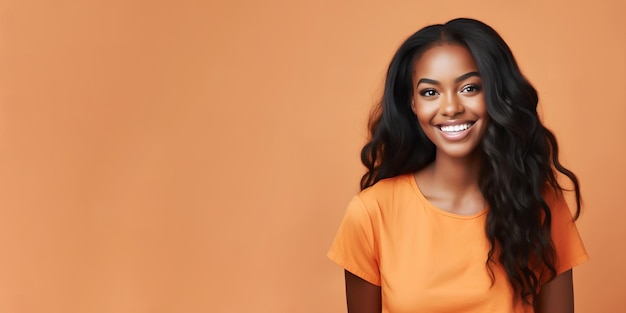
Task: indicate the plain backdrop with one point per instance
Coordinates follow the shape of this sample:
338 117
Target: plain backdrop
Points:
197 156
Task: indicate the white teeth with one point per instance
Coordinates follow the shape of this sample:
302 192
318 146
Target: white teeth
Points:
456 128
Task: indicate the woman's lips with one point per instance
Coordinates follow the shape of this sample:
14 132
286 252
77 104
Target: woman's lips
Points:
456 131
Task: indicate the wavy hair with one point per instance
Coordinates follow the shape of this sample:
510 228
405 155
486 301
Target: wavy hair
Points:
519 155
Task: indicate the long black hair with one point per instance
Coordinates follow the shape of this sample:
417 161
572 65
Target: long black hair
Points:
520 155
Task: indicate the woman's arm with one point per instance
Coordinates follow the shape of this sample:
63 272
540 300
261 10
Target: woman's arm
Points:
557 295
362 296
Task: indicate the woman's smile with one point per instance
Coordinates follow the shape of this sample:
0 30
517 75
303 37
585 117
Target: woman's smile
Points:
455 131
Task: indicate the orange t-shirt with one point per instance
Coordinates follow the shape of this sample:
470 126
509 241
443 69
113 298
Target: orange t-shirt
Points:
428 260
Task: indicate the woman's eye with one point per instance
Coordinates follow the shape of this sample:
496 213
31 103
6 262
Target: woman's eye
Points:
471 88
428 93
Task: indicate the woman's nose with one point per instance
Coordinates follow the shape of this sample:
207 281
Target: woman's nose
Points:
450 106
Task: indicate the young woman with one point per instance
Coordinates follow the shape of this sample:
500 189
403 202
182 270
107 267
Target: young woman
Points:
460 209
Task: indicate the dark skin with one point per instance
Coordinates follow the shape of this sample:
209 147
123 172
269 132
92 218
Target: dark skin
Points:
556 296
362 296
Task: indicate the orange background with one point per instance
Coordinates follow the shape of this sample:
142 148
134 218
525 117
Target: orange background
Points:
197 156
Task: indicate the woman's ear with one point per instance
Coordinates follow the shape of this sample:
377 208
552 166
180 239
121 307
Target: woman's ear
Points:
413 107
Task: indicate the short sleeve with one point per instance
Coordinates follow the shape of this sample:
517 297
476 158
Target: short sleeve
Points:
354 247
569 247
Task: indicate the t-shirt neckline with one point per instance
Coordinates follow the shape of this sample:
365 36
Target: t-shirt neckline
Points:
433 207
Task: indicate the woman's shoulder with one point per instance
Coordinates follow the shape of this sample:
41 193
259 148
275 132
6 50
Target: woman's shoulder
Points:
554 197
388 187
557 201
389 192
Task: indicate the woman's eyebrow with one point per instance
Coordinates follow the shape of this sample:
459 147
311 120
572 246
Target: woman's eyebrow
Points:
457 80
427 81
466 76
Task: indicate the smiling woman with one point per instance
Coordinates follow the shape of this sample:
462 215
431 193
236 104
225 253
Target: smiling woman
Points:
460 208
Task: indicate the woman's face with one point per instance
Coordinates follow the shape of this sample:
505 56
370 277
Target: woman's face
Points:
448 99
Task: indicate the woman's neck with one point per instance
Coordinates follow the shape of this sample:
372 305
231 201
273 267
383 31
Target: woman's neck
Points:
452 184
457 174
